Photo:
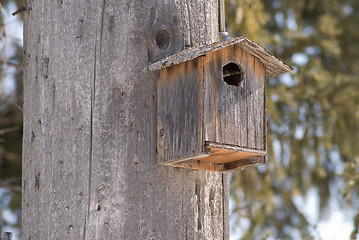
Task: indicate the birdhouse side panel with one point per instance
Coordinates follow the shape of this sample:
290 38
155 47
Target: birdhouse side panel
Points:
180 107
255 92
234 104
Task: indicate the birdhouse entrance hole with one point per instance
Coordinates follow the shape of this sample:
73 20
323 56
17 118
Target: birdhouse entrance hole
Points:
232 74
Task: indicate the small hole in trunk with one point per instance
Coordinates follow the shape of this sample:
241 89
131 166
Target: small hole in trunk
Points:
163 39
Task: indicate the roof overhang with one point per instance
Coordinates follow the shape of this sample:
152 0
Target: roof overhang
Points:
273 65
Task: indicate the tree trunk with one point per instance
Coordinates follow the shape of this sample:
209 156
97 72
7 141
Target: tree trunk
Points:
89 149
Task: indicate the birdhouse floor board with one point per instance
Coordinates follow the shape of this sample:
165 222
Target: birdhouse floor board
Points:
222 158
234 148
176 161
222 167
219 155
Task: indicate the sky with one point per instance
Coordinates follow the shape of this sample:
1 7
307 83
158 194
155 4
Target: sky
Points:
14 34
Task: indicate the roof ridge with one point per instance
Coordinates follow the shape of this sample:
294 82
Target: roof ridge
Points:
273 65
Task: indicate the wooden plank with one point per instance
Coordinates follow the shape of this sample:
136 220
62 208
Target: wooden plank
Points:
238 114
244 163
209 115
233 147
229 99
223 153
241 111
259 105
223 167
197 164
220 100
226 156
261 110
264 144
180 110
255 102
185 159
220 154
223 158
251 100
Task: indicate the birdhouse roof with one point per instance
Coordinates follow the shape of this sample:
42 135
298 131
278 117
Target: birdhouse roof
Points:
273 65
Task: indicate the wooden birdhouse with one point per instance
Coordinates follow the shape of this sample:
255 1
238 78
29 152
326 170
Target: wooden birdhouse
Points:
211 105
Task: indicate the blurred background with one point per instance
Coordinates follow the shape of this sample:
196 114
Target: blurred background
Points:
11 99
309 188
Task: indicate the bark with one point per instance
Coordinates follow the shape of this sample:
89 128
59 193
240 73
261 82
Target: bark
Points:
89 149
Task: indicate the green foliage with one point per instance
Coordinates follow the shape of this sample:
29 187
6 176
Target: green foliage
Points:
313 112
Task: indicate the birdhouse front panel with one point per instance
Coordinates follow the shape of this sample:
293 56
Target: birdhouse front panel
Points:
211 105
234 111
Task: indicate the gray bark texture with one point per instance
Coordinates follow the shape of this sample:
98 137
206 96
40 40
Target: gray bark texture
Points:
89 148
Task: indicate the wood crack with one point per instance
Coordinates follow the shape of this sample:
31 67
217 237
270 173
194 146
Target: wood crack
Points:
189 22
225 205
198 195
92 102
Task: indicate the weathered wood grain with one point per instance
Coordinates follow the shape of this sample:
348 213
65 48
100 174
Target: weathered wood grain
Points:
197 106
255 104
180 111
57 118
234 114
242 110
89 154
